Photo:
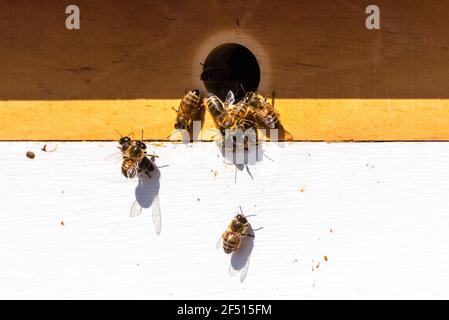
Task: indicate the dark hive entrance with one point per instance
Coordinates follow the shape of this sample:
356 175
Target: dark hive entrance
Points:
231 67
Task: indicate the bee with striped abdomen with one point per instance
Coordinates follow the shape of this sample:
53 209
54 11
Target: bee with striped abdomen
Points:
189 110
135 159
230 241
218 112
265 114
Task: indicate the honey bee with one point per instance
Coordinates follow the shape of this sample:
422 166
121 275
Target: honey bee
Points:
240 116
225 114
218 79
218 112
135 159
189 110
231 238
215 74
234 119
264 112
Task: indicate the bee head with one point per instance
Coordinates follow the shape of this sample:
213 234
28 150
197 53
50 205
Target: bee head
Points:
141 145
180 124
135 151
242 218
124 140
248 96
238 223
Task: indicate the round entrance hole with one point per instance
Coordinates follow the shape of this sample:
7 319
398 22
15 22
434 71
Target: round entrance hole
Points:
231 67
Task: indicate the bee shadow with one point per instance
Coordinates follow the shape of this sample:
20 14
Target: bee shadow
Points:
148 188
147 195
241 162
240 258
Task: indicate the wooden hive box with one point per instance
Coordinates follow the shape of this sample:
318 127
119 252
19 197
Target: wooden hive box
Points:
131 61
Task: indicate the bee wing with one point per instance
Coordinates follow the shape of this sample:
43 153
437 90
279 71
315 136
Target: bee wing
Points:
136 209
116 157
179 134
242 271
156 215
219 245
230 98
101 167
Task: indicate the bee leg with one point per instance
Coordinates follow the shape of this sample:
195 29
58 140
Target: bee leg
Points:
146 171
248 235
272 98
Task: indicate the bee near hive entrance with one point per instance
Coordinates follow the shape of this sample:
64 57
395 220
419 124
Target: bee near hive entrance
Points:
231 67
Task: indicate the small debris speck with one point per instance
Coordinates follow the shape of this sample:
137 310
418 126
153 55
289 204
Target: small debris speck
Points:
301 189
30 155
215 173
326 259
45 149
198 199
62 223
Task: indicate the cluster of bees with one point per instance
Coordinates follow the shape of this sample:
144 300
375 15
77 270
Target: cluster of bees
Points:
252 112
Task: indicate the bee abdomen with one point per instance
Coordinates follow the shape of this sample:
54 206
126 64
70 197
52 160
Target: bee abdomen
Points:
128 168
228 250
231 244
193 98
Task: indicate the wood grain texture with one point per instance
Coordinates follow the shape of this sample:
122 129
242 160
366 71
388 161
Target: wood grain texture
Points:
336 80
377 211
306 119
143 49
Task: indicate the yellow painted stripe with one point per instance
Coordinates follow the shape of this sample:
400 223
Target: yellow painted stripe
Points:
304 119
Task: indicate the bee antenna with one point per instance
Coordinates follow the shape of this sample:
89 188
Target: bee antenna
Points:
142 135
118 133
272 98
243 89
251 215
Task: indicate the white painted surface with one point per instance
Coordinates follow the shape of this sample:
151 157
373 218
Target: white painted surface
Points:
387 204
